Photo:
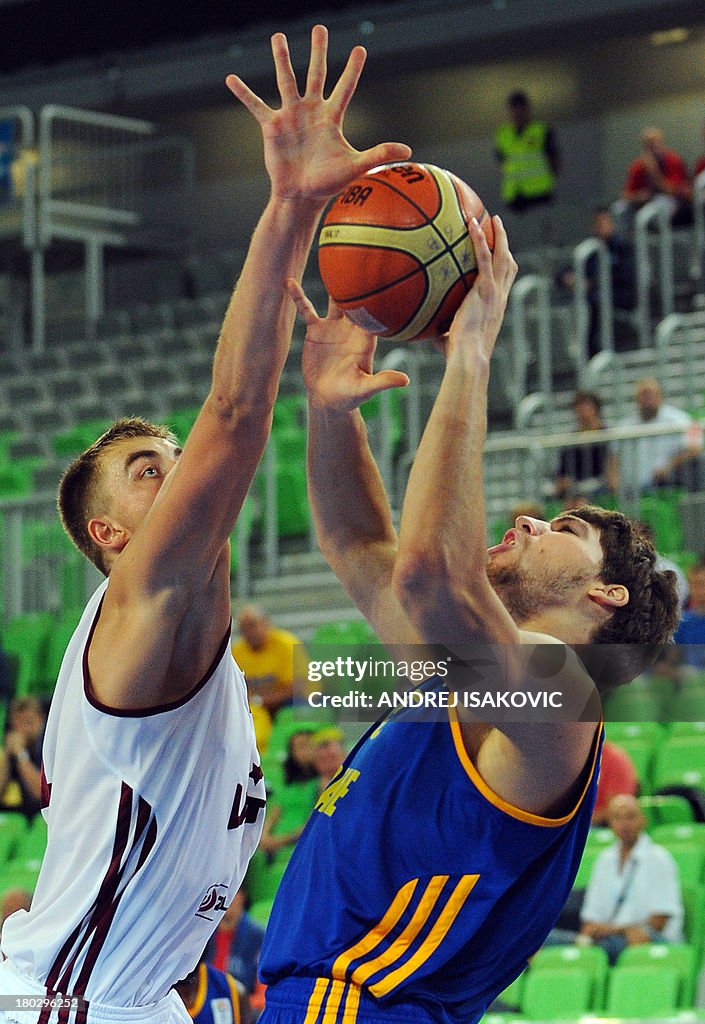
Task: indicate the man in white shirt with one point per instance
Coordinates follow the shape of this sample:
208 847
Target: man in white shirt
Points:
634 893
639 463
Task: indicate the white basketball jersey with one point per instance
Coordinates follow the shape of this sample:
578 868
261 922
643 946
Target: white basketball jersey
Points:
152 818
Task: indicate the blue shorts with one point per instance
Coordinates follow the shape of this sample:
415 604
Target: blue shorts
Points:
310 1000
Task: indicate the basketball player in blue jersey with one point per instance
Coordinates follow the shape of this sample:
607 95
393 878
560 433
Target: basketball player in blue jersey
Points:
437 860
149 745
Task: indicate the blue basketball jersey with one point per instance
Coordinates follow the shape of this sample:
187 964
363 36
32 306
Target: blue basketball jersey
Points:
414 889
217 1000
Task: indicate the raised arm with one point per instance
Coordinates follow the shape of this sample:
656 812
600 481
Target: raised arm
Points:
176 561
308 160
350 506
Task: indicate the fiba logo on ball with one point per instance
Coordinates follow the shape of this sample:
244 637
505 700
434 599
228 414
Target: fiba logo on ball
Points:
394 250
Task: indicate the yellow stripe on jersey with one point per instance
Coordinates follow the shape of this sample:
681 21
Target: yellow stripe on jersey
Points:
352 1003
405 939
432 941
234 998
333 1002
316 1000
380 931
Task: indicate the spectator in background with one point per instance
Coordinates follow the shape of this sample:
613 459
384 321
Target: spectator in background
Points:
212 996
272 659
690 635
329 754
581 468
622 268
528 154
21 757
618 777
290 804
236 943
638 464
659 171
633 895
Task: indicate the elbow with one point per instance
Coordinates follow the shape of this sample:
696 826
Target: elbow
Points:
424 580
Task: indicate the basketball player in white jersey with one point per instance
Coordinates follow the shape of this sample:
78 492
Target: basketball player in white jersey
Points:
152 788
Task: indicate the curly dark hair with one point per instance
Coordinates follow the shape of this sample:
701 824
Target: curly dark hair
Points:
636 632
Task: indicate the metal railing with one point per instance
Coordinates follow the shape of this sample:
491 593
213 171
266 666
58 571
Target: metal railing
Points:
103 181
582 254
653 221
698 267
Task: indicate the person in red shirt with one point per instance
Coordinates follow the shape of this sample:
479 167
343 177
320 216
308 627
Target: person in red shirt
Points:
659 171
618 777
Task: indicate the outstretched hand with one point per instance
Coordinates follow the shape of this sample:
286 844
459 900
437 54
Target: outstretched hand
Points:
305 152
337 358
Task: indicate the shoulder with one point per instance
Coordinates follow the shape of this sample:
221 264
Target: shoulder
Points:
672 414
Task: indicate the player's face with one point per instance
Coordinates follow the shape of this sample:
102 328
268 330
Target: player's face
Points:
132 473
541 564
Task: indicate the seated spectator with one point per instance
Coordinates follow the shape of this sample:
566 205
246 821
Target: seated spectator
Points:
236 943
21 757
659 171
617 777
299 764
639 464
329 754
581 468
690 635
212 996
633 895
272 659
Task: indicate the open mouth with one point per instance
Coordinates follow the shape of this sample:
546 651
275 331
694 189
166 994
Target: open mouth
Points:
508 541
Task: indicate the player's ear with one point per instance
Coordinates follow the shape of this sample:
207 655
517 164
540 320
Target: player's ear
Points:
609 595
107 533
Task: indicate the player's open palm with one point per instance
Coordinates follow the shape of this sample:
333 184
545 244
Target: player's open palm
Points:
338 357
305 152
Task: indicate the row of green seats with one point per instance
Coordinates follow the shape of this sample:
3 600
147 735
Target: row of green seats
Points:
564 982
676 759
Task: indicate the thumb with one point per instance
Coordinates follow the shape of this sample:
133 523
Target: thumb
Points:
385 153
384 380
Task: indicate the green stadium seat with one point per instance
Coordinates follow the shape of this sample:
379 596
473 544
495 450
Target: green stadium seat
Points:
587 862
556 993
694 924
61 633
262 879
20 875
27 636
512 994
618 731
641 752
68 443
662 512
16 481
643 991
691 864
656 955
680 834
13 827
290 413
681 760
592 959
260 911
293 510
33 842
688 706
666 810
632 705
599 838
345 631
687 729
